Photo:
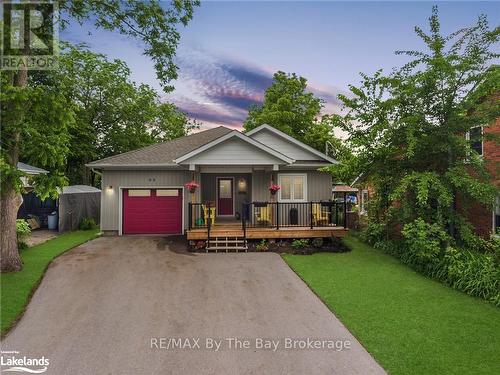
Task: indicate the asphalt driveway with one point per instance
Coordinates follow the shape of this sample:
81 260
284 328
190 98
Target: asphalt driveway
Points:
111 305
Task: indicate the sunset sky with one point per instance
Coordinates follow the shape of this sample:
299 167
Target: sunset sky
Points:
230 50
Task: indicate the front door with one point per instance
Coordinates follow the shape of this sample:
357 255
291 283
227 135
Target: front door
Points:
225 197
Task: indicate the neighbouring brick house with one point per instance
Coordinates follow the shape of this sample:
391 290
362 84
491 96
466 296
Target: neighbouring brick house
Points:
486 220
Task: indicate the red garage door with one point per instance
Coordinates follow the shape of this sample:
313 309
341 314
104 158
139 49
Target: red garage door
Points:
152 211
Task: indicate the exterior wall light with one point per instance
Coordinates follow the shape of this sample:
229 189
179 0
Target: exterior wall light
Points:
242 186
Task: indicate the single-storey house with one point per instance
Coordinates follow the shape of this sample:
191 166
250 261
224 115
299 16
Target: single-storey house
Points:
29 171
144 192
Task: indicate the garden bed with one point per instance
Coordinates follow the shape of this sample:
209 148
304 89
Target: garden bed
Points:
300 247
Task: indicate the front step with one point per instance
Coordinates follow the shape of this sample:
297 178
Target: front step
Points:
226 244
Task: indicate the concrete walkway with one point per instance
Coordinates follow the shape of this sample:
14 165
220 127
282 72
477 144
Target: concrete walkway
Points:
111 305
39 236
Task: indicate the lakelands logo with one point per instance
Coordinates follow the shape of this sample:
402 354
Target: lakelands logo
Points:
11 361
29 34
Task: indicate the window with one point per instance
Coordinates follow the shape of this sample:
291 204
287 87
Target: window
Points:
167 193
496 217
225 188
293 187
364 200
139 193
475 137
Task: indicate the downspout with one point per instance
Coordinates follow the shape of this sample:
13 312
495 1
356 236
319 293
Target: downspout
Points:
98 173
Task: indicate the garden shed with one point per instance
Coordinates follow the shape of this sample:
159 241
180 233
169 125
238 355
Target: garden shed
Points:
77 202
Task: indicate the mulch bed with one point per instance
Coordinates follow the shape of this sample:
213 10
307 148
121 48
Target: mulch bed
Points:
330 245
180 245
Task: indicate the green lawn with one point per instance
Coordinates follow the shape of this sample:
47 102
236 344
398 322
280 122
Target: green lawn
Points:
410 324
17 287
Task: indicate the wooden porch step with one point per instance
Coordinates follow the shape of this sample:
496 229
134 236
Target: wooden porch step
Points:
226 248
227 243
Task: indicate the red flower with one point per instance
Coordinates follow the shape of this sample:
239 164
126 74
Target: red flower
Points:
273 188
191 186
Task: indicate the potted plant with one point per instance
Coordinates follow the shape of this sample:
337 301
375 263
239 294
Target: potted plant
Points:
192 186
273 188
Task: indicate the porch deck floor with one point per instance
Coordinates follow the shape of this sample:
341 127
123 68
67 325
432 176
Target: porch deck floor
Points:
234 229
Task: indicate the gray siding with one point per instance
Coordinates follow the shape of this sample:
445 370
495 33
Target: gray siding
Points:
209 186
318 188
261 181
133 178
282 145
233 152
319 184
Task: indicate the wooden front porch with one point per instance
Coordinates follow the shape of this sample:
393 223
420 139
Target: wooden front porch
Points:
257 233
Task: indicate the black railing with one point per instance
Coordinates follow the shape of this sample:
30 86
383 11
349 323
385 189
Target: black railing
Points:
275 215
200 215
294 214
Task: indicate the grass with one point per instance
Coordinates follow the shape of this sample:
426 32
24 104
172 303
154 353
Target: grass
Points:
18 287
409 323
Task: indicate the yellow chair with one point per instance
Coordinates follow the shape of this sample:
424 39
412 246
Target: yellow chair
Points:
263 215
319 216
206 212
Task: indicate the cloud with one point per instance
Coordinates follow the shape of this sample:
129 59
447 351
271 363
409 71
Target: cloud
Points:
219 90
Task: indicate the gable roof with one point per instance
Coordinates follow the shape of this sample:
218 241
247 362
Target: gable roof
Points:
291 140
162 153
240 136
172 153
29 169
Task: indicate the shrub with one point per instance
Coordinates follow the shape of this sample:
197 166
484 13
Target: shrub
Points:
23 231
317 242
87 223
474 273
262 246
424 241
300 244
373 232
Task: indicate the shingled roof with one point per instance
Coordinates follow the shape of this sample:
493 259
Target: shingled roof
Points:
163 153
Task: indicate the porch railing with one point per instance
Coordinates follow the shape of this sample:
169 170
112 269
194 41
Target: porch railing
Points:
275 214
294 214
200 215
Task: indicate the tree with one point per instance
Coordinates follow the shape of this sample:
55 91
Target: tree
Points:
112 113
407 130
288 107
32 115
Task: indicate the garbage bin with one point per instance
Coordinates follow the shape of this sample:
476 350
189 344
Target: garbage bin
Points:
52 220
294 216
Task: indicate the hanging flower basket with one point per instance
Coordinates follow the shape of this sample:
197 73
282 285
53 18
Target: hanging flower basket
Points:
273 189
192 186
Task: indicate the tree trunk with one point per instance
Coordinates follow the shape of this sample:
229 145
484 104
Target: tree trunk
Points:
10 201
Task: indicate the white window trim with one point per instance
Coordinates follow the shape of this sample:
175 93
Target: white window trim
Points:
217 196
362 201
467 137
493 217
304 176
